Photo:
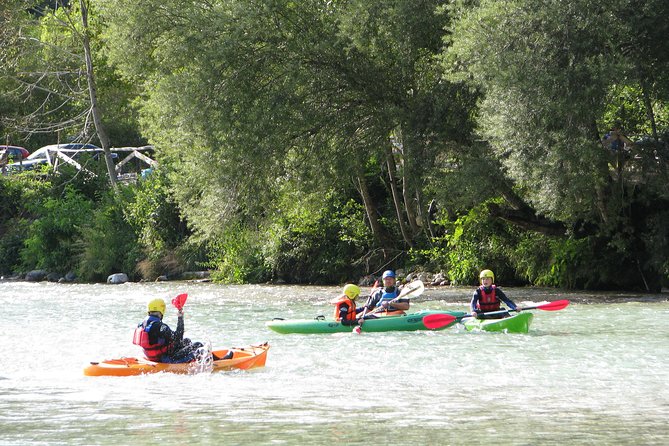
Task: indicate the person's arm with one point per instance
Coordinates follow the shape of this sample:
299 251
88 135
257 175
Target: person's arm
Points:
501 296
179 333
402 304
373 300
475 301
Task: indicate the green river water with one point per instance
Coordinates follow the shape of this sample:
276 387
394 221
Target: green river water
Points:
595 373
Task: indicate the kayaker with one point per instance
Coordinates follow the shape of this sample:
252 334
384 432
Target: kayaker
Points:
345 309
159 342
381 299
488 297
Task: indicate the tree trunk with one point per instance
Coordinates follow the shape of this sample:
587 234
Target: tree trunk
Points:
95 109
396 198
649 109
372 214
407 182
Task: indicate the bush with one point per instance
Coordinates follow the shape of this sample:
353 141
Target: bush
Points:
50 242
108 243
154 217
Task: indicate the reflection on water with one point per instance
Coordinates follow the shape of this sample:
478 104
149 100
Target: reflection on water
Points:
589 374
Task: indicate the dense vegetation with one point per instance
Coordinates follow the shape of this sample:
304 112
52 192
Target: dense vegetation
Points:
319 141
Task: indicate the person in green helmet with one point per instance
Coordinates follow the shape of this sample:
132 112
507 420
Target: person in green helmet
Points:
345 310
488 297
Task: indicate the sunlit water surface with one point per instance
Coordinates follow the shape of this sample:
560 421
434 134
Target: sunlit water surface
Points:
590 374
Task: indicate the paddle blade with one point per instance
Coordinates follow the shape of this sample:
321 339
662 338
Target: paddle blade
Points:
435 321
179 301
413 289
554 306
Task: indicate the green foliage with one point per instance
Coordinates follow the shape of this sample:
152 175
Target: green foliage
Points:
319 239
237 257
19 193
108 243
50 242
473 242
155 219
11 243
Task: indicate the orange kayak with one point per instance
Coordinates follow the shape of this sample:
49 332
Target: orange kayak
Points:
242 358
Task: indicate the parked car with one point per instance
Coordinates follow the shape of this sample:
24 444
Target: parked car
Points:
48 155
15 152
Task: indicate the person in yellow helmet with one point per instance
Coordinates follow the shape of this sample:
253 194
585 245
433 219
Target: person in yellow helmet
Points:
159 342
345 309
488 297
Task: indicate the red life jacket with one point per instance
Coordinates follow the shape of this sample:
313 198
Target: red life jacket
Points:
488 301
350 314
153 352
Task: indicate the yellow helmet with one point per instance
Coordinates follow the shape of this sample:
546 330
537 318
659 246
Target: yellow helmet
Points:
487 273
352 291
156 305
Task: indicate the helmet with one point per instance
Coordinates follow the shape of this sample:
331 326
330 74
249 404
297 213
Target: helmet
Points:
487 273
156 305
389 273
352 291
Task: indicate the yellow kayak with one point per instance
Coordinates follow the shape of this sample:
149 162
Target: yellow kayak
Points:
242 358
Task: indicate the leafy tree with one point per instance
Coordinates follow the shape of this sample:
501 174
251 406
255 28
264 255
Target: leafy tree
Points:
545 70
323 95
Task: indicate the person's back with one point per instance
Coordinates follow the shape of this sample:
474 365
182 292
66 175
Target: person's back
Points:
155 337
159 342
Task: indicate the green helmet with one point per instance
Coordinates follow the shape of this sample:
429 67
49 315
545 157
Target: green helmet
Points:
487 273
156 305
352 291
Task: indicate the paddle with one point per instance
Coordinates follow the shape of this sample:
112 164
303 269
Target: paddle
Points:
413 289
550 306
357 329
179 301
435 321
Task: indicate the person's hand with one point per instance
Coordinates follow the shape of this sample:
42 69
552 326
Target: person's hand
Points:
385 304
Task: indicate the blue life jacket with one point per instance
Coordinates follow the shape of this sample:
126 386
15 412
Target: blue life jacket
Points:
387 296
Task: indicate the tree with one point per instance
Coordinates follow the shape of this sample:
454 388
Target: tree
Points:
49 77
545 70
308 92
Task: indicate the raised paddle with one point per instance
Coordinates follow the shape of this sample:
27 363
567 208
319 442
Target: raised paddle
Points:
413 289
436 321
179 301
357 329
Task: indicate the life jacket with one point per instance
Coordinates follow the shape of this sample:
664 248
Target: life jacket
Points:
153 352
388 296
344 300
488 301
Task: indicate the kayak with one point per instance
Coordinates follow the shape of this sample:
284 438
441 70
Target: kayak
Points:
405 322
242 358
518 323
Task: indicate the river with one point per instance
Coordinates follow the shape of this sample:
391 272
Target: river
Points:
592 374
